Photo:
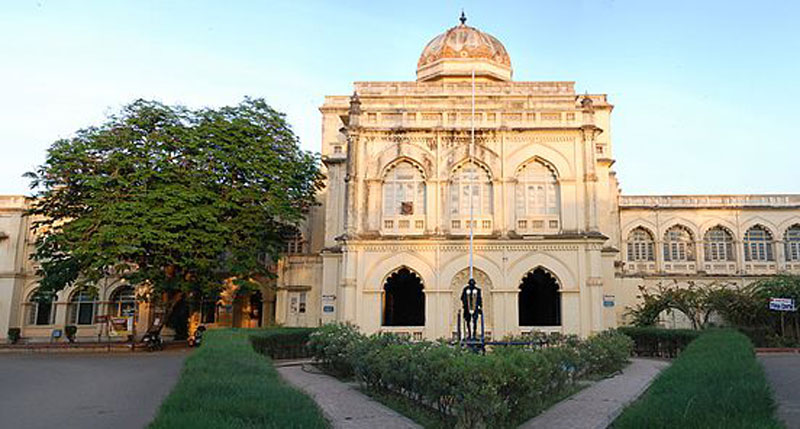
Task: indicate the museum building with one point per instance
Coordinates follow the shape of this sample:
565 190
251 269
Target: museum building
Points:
556 247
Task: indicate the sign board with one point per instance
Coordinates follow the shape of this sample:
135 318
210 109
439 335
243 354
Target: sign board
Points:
327 309
782 304
329 297
608 300
119 326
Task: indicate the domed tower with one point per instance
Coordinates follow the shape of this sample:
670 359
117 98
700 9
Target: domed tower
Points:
456 53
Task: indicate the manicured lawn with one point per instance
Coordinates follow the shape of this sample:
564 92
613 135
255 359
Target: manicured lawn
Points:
715 383
226 384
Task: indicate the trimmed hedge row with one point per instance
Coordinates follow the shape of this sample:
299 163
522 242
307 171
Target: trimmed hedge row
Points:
226 384
283 343
659 342
502 388
715 383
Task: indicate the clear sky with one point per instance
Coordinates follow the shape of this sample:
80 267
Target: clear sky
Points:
706 93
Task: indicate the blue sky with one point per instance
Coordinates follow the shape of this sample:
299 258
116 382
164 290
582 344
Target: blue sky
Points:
706 93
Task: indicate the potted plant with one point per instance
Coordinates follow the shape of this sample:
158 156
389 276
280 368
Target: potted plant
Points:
70 331
13 335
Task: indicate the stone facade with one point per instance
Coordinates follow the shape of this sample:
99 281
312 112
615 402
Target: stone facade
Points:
556 247
576 229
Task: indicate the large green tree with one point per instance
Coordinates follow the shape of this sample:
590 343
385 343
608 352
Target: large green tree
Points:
176 198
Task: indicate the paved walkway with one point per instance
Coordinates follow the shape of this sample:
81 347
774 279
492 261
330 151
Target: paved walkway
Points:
783 373
108 390
599 404
342 404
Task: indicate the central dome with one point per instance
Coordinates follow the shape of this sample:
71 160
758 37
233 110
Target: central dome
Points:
460 50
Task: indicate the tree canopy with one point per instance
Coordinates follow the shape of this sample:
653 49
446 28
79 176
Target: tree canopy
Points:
176 198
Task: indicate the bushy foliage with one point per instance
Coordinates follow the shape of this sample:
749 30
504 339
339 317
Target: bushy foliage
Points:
746 308
283 343
715 383
659 342
14 335
500 388
333 346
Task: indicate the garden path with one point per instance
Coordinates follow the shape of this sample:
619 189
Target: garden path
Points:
342 404
599 404
783 373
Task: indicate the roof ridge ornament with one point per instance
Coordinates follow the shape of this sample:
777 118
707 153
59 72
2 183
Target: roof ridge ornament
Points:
463 18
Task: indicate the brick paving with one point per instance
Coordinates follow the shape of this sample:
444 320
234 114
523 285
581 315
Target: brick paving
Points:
596 406
783 373
343 405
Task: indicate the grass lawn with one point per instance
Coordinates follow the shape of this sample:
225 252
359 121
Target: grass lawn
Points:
226 384
715 383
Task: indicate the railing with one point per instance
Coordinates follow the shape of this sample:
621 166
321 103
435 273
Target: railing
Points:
699 201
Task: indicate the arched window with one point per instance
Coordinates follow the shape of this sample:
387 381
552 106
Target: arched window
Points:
41 308
537 198
471 187
539 301
403 299
678 244
404 198
718 245
81 307
792 239
123 302
640 245
758 244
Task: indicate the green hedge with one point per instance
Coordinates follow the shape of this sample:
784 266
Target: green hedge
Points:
500 389
283 343
226 384
659 342
715 383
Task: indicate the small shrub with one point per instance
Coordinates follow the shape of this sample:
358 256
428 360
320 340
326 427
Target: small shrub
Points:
333 346
70 331
283 343
14 335
659 342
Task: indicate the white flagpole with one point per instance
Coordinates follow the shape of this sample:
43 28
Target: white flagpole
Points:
472 179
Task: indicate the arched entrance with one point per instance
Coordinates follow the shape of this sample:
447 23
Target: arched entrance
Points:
403 299
539 299
482 281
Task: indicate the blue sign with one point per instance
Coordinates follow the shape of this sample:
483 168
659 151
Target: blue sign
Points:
327 309
782 304
608 300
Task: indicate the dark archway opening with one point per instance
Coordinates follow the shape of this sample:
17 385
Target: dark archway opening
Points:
539 300
403 300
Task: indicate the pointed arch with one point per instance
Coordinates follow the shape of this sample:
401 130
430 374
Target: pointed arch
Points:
539 299
791 238
718 244
537 197
641 245
679 244
758 244
403 299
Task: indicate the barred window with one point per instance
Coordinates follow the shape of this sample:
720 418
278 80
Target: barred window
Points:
678 244
470 183
792 240
403 191
758 244
718 245
640 245
537 191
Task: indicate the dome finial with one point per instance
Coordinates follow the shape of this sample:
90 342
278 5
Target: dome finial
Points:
463 18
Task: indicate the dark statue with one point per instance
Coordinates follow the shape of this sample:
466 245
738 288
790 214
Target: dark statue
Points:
472 303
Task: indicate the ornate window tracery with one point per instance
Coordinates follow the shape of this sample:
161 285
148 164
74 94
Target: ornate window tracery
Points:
641 246
678 244
758 244
718 245
537 198
404 199
471 189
